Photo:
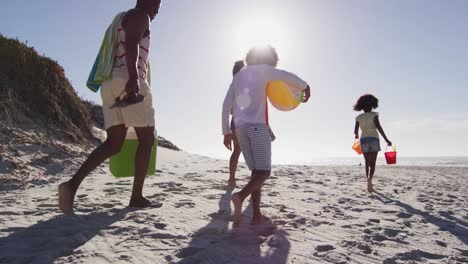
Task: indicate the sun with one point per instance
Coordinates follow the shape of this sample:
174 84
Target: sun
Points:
259 30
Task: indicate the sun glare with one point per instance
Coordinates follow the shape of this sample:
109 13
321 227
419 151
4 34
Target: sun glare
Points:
259 31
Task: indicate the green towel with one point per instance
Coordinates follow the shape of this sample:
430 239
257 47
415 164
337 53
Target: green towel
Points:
102 68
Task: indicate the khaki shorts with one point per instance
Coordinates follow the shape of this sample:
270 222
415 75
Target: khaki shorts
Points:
137 115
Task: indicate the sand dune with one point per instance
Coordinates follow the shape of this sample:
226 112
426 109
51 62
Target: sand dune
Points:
314 215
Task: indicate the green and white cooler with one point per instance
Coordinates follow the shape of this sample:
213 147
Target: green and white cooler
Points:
123 163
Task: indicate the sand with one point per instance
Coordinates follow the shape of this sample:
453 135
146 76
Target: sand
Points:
315 214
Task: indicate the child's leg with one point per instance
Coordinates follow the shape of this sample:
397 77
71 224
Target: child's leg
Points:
367 157
256 200
367 163
372 161
112 146
233 161
142 159
372 157
255 143
256 181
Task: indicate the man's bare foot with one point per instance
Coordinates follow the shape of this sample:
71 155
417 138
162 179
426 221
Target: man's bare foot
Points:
236 201
66 198
140 202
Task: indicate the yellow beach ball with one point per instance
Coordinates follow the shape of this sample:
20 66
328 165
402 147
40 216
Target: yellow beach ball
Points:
283 96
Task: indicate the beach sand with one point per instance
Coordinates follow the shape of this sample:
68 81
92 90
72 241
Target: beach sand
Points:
315 214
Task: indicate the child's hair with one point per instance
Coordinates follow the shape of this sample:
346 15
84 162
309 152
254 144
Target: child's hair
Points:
262 55
366 102
238 65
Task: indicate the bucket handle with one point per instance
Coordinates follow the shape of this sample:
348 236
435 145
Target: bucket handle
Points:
393 147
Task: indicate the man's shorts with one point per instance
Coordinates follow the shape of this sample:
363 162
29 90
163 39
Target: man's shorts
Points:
370 144
136 115
255 144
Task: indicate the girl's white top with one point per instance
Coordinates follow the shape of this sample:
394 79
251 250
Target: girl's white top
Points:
367 125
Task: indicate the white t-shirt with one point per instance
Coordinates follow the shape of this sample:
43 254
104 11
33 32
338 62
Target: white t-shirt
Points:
247 94
367 125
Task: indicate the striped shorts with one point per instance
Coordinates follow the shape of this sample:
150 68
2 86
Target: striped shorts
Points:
255 143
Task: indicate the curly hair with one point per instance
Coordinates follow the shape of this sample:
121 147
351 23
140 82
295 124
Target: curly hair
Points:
366 102
262 55
238 65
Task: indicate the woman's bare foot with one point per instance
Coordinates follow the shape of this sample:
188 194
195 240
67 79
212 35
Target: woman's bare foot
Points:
66 198
139 202
236 201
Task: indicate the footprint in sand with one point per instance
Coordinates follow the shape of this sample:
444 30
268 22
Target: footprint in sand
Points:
333 257
192 175
273 194
372 221
185 203
160 226
108 205
115 190
291 215
404 215
415 255
362 247
158 196
389 234
125 258
40 200
441 243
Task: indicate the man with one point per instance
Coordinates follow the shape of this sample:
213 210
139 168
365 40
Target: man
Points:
247 97
127 102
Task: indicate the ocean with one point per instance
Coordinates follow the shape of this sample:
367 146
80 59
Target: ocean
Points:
402 161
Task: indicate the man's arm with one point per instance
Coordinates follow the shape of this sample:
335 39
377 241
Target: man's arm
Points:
135 25
285 76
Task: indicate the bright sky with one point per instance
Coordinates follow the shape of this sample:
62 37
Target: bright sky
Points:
411 54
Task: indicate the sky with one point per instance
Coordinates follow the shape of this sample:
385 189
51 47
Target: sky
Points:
412 55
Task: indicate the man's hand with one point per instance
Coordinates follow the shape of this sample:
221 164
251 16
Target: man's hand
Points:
306 94
356 136
228 141
132 87
389 142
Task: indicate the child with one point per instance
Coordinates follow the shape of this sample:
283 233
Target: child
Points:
234 160
247 97
238 65
369 124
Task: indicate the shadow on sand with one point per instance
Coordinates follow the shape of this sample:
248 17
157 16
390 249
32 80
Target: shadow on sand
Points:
218 243
54 238
449 223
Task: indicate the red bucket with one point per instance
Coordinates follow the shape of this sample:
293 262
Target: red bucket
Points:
390 156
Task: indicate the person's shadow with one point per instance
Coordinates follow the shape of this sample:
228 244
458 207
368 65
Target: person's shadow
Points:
457 227
60 236
217 243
